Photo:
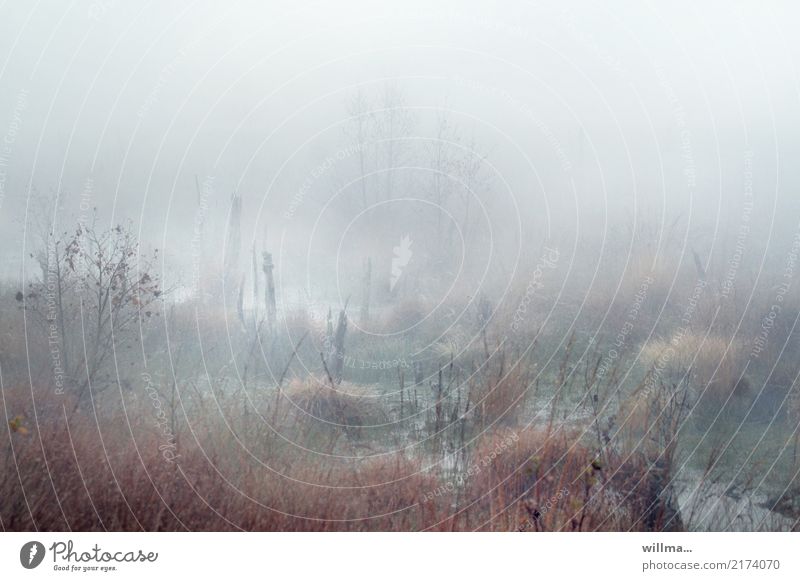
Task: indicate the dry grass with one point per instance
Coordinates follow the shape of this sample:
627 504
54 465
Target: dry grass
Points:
315 405
499 397
714 364
114 476
550 481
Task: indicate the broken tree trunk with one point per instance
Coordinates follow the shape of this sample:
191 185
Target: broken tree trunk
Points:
338 345
365 291
329 333
233 246
240 303
255 288
272 310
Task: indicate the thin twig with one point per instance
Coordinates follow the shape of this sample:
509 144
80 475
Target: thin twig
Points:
328 373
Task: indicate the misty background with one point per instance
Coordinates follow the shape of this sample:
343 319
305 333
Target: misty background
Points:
584 118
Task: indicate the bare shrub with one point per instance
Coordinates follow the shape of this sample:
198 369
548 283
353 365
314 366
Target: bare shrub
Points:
95 284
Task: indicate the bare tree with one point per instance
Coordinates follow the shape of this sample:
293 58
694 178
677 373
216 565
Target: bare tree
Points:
359 129
376 132
394 124
95 284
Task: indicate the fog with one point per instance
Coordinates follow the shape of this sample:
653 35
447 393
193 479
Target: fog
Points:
425 169
586 114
